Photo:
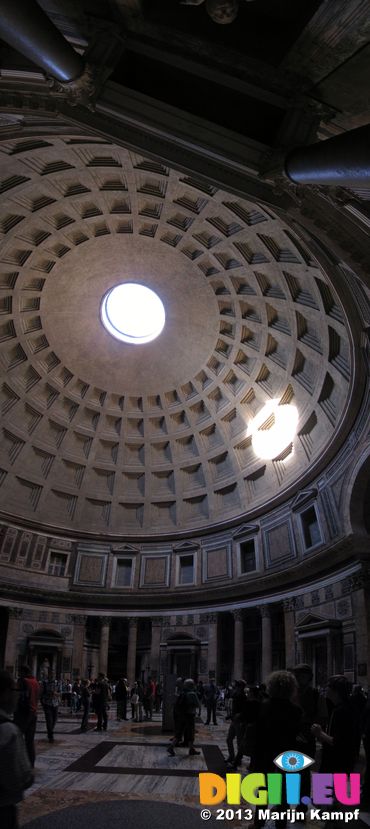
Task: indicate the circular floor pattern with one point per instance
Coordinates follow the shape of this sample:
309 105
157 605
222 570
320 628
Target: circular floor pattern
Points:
129 814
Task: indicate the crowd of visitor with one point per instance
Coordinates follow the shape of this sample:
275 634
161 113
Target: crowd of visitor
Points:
264 721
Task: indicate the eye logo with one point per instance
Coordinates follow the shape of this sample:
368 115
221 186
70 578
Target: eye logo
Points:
293 761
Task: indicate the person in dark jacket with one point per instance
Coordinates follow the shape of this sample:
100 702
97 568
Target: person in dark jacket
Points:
85 703
50 698
237 707
187 704
278 725
101 699
121 698
25 714
339 741
15 768
211 695
246 737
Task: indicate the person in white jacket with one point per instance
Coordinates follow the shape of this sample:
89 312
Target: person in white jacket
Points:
15 768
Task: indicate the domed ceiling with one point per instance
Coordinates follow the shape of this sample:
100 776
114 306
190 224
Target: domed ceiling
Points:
99 436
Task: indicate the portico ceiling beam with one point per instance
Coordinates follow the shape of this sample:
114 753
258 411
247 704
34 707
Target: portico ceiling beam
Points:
26 27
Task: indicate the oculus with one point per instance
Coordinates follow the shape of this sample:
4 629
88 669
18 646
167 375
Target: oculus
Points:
132 313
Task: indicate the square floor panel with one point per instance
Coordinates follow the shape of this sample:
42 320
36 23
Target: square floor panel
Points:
110 757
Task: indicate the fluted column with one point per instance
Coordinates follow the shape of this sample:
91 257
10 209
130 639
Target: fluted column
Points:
78 644
10 656
238 669
131 650
155 647
266 666
104 643
212 644
289 632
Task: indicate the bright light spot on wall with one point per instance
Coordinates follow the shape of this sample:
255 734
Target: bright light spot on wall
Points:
273 429
133 313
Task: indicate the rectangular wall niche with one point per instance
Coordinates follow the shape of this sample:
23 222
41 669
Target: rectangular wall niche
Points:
91 569
155 570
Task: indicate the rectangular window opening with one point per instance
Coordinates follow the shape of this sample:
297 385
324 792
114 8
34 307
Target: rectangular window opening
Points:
247 556
186 570
57 564
310 527
123 572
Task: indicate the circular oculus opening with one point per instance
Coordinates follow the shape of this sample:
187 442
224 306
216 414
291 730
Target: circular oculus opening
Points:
273 429
132 313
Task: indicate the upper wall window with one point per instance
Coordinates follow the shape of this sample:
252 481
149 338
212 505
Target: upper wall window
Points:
186 569
247 556
310 528
57 564
123 572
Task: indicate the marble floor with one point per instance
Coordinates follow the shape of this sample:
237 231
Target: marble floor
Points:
127 762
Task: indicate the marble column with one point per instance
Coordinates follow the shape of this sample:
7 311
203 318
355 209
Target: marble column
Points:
155 647
131 650
266 666
289 633
78 645
104 643
10 656
238 668
212 645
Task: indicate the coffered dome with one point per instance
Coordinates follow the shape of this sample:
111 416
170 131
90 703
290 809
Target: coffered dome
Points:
102 436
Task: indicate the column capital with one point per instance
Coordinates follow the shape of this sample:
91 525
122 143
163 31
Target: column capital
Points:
211 618
105 620
265 611
238 615
79 620
157 621
15 612
289 604
133 620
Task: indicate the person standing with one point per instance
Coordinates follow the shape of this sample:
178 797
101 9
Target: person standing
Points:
339 741
187 704
50 703
121 698
211 695
277 728
101 699
15 768
85 704
25 714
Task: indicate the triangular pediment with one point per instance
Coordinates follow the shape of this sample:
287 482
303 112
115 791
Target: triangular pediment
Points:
186 547
246 529
304 497
125 548
311 619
